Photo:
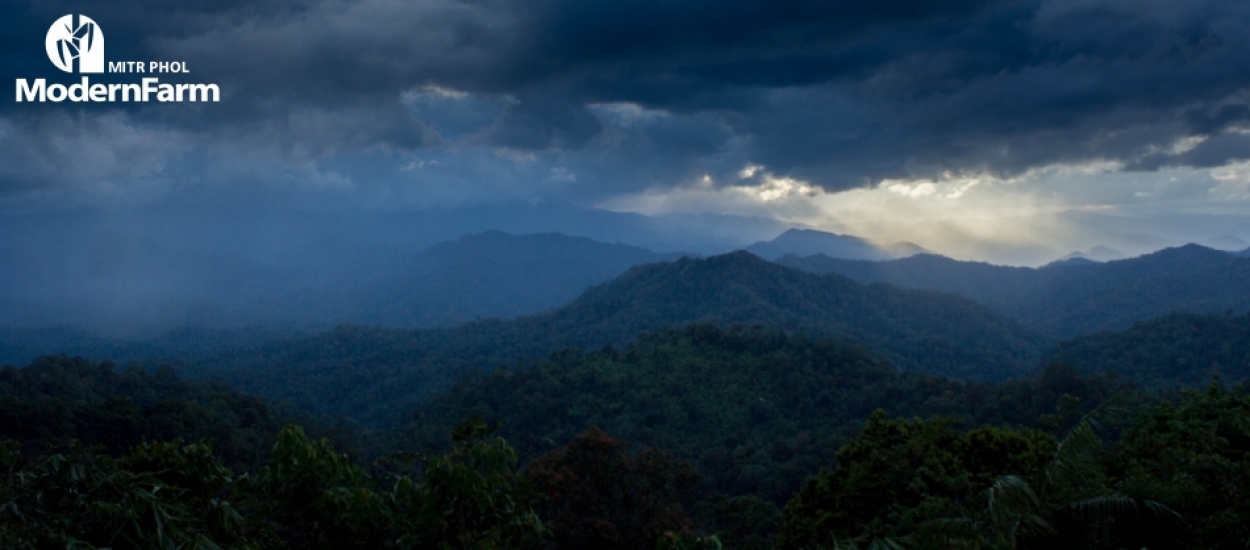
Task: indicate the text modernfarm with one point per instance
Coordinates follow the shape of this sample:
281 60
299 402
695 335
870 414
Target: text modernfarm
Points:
41 91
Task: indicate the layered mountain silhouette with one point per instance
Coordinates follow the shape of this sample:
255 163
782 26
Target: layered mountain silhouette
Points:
1069 299
491 274
1095 254
392 370
807 242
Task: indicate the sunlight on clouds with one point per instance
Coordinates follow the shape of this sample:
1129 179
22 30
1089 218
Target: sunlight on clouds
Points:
1232 182
1187 144
919 190
1027 219
749 171
763 195
773 188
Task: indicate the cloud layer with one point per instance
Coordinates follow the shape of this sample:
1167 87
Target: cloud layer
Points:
444 101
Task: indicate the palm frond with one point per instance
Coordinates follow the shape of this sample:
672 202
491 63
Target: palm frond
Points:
1123 510
1011 496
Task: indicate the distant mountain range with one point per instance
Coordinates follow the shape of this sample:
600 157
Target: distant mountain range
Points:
807 242
153 270
1066 299
1095 254
371 374
927 319
491 274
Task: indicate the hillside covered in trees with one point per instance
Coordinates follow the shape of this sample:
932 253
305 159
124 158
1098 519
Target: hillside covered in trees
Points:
731 444
57 399
1069 300
756 409
1176 350
373 374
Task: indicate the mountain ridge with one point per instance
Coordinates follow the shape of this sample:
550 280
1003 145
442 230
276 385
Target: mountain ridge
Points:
393 370
812 241
1068 300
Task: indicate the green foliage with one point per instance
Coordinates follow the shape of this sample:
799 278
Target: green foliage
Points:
313 497
923 484
900 474
307 496
1172 351
757 410
678 541
59 398
600 496
743 522
471 498
1194 456
76 499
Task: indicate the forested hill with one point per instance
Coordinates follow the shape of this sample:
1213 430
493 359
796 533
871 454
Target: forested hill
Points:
19 346
372 374
59 398
756 409
1069 300
1168 352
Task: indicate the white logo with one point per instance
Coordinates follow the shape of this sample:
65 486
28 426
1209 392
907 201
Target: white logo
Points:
75 42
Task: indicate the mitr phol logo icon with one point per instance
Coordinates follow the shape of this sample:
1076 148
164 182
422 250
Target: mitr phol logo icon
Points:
75 44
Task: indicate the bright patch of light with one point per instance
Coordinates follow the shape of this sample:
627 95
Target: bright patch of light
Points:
774 188
919 190
436 90
1232 182
1187 144
749 171
1026 219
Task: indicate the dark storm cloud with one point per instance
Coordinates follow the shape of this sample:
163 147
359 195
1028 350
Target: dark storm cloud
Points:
842 93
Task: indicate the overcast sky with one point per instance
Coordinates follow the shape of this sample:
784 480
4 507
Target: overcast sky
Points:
1004 130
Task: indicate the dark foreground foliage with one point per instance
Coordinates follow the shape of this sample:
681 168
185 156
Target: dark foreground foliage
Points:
56 399
719 431
1178 477
756 409
307 495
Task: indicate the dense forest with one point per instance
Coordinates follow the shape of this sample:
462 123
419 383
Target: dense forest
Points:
58 399
1172 351
757 409
737 438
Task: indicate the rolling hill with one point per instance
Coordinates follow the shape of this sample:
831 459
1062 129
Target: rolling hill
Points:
1172 351
806 242
372 374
